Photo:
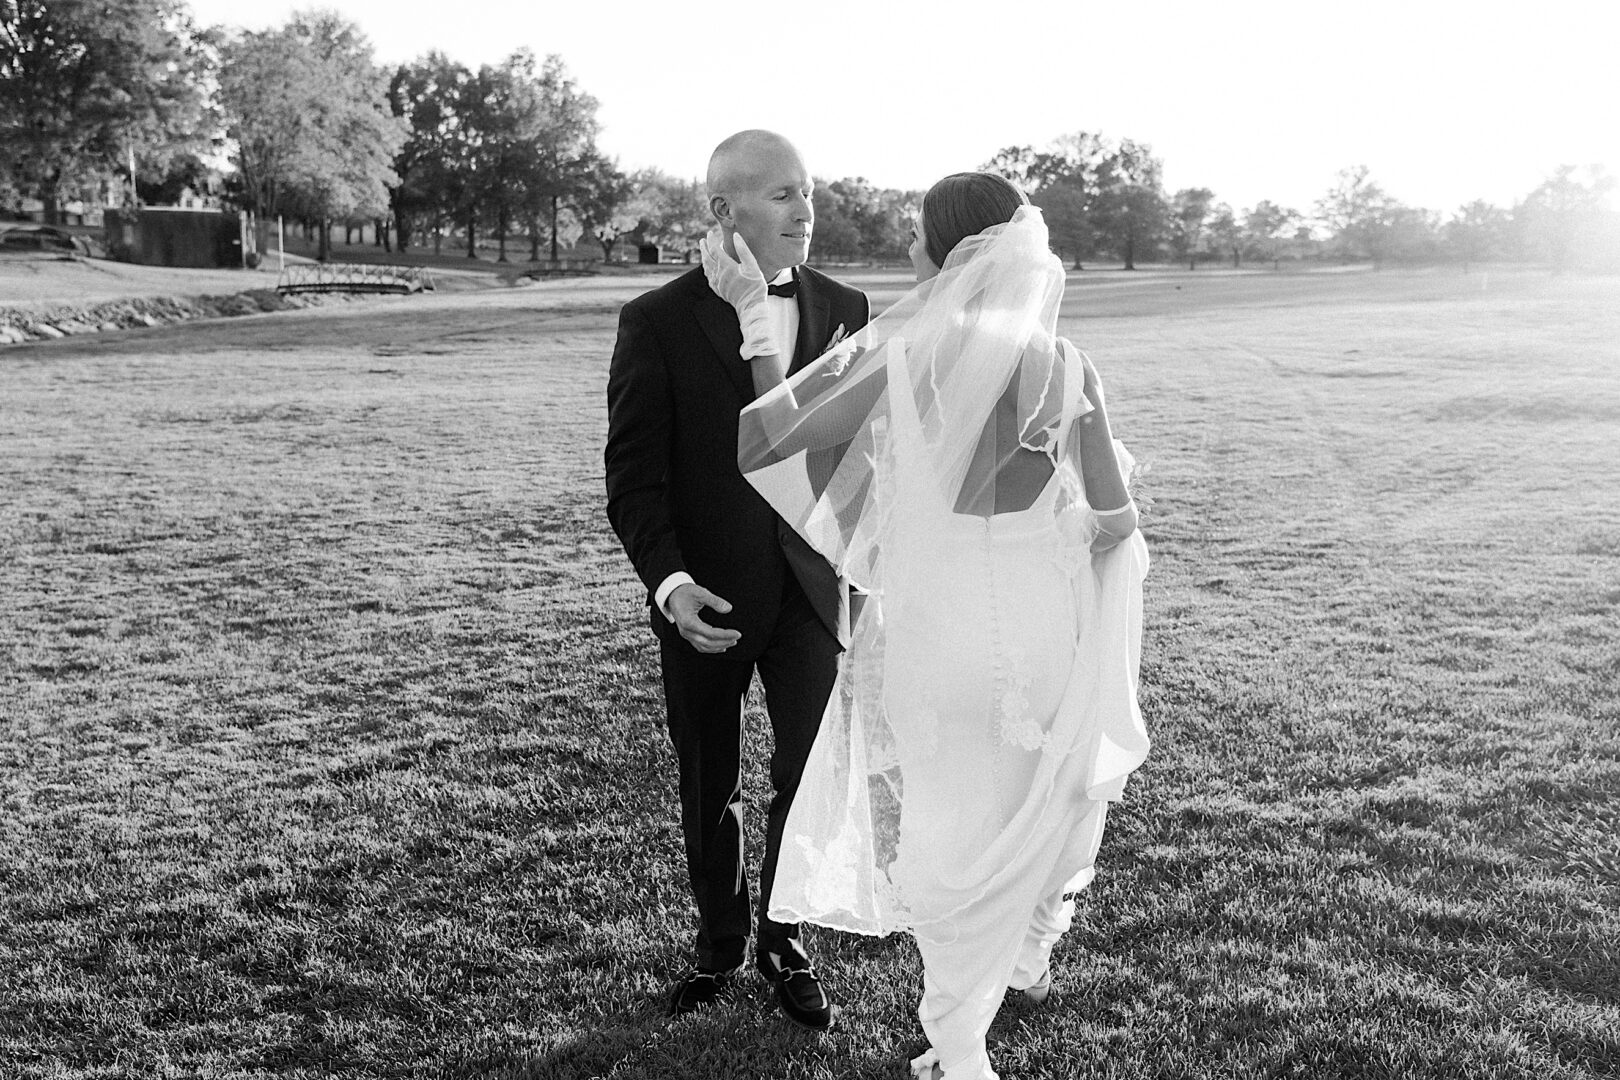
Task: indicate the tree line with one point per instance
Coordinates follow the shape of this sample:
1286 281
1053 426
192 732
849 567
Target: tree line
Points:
92 91
1106 198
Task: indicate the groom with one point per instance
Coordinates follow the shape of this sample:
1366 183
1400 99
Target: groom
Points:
732 588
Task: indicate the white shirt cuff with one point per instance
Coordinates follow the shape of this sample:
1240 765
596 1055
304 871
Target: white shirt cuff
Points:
669 585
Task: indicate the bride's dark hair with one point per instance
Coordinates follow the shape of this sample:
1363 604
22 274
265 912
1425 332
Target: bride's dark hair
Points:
964 204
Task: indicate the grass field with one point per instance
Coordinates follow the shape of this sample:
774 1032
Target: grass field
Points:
333 739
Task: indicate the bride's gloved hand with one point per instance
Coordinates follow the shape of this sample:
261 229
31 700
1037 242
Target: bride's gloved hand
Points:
739 283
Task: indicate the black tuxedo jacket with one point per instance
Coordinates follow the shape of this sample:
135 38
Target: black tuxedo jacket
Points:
675 495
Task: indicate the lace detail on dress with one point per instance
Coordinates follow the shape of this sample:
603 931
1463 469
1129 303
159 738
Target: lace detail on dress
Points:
833 875
892 898
1014 718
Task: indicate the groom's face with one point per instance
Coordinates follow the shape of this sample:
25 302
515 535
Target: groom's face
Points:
772 210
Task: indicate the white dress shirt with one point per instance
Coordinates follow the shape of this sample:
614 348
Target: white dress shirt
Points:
784 312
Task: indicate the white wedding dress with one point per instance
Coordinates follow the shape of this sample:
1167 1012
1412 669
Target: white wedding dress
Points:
985 712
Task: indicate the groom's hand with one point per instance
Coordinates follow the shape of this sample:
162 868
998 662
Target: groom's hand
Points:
686 605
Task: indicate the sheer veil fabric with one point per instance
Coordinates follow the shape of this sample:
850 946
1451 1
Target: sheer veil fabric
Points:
985 710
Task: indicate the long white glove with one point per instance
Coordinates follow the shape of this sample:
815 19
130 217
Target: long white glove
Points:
1114 526
740 283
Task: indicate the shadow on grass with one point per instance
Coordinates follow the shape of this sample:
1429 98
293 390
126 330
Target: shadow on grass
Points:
577 1055
745 1038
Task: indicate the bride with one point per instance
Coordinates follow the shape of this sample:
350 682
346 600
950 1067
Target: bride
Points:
953 461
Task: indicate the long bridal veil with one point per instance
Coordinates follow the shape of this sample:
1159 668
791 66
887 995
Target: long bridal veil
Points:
904 455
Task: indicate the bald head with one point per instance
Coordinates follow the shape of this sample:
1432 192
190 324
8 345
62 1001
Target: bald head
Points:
740 159
759 189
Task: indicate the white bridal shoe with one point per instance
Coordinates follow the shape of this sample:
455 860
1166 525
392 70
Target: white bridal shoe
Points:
926 1066
1041 990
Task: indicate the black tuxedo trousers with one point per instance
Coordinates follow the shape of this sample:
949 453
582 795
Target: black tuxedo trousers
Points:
679 503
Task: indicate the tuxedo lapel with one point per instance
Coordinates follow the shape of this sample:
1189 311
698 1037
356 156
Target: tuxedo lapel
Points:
720 326
813 318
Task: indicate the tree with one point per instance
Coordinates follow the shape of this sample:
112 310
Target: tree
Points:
1409 233
1189 209
1353 199
671 213
1476 232
1066 205
426 95
1362 219
185 171
1129 210
345 167
1094 193
309 113
264 83
1062 181
837 232
10 196
888 232
564 147
85 86
1566 206
603 200
1068 160
1016 163
1226 233
506 118
856 219
1269 227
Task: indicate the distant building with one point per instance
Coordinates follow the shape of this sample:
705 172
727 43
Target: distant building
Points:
174 236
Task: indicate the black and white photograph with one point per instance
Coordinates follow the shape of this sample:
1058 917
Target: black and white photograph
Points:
850 541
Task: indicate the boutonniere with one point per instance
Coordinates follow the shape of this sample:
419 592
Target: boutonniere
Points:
832 342
840 352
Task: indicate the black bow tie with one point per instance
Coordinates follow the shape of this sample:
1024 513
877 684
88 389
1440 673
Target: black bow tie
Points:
788 288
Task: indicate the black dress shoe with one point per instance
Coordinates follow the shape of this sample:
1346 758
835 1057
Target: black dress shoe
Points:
699 987
798 991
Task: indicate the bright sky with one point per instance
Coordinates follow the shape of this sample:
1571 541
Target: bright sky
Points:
1445 100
